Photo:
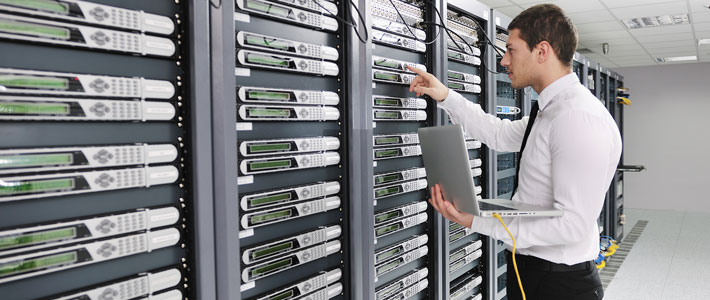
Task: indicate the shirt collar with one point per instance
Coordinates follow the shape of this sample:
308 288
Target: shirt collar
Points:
555 88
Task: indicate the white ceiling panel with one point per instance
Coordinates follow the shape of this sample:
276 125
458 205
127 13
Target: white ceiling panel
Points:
497 3
669 30
591 16
627 3
527 1
617 34
670 49
702 34
665 37
670 44
701 17
510 11
612 42
698 5
650 10
599 26
701 27
675 53
571 6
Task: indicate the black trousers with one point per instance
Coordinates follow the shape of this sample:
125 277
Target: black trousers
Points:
542 282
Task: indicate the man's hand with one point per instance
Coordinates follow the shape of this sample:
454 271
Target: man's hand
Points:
426 83
447 209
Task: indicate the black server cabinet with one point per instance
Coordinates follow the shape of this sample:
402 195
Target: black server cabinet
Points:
405 226
464 260
96 154
292 141
615 205
604 82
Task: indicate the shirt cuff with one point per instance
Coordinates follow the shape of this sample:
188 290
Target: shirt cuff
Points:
483 225
451 101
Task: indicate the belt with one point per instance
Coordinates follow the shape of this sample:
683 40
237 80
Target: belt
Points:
534 263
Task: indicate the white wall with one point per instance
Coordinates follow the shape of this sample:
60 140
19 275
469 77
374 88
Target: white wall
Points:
667 129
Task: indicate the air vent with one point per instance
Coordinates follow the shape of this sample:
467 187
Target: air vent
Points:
584 51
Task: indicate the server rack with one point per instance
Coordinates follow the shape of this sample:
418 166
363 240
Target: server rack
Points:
464 255
604 97
99 111
406 239
615 205
292 138
579 65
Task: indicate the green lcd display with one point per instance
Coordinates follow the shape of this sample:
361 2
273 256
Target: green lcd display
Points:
455 55
388 254
282 296
270 250
276 164
457 86
457 265
388 290
272 267
275 147
387 229
386 115
263 200
385 268
455 226
35 264
387 178
43 5
386 153
258 219
270 112
34 160
34 238
266 60
24 108
10 188
263 41
458 76
385 76
387 140
383 62
388 216
268 95
268 9
457 236
34 82
457 255
26 28
388 191
387 102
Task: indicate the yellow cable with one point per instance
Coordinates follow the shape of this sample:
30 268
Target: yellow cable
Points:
515 264
601 265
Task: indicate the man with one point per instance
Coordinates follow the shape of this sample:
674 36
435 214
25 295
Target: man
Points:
568 158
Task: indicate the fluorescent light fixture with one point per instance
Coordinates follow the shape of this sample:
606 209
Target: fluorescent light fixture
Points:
656 21
703 42
676 58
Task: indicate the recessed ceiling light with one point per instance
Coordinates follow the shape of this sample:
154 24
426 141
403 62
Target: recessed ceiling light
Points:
676 58
656 21
703 42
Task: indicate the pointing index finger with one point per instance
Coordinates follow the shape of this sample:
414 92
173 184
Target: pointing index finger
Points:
418 71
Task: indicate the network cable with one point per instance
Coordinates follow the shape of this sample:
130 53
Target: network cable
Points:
515 264
353 24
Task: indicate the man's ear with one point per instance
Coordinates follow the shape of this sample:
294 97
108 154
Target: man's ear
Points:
543 51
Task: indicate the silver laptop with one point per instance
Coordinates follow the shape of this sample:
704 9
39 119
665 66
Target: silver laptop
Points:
446 162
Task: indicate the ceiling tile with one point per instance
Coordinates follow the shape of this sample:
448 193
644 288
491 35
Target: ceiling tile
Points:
497 3
636 3
571 6
702 34
526 1
701 26
700 17
612 42
670 49
670 29
632 47
665 37
613 52
639 64
699 5
670 44
617 34
599 26
510 11
591 16
685 52
650 10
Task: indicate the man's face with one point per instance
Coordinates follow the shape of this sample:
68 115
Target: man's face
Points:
519 61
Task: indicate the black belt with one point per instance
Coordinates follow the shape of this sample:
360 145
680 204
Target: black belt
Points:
534 263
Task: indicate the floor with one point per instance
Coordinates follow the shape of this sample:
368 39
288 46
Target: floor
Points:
670 260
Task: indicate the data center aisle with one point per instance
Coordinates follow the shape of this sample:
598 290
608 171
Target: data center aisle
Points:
669 260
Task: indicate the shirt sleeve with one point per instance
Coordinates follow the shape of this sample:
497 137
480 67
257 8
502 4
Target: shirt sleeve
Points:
581 149
498 134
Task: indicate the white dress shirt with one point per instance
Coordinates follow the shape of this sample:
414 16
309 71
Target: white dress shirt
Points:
569 160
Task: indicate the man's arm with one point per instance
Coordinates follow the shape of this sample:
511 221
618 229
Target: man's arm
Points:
500 135
582 151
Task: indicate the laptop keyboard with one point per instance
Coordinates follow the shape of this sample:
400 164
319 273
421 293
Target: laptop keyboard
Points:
489 206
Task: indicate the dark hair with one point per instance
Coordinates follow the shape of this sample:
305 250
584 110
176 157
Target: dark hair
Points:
547 22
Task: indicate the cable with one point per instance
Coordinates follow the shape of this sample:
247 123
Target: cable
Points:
409 28
515 264
351 24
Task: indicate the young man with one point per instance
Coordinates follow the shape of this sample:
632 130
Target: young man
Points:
570 147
